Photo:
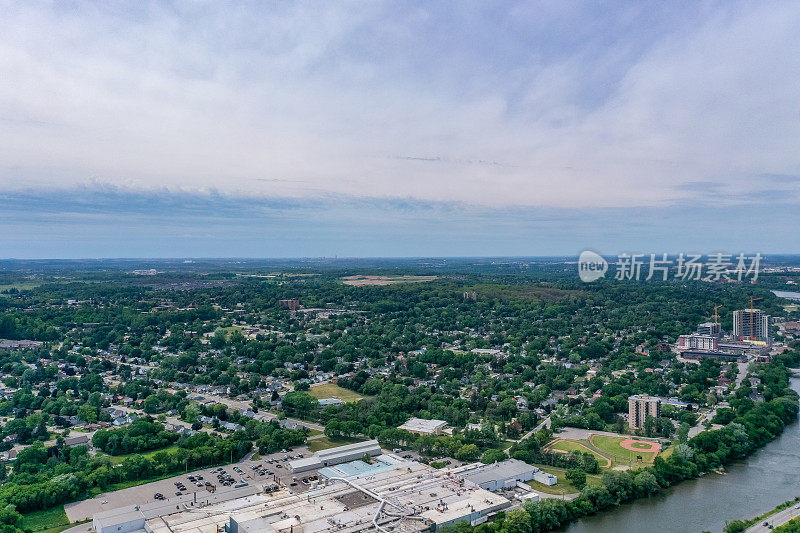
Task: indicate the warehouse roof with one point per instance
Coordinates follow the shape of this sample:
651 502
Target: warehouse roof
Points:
508 469
420 425
369 446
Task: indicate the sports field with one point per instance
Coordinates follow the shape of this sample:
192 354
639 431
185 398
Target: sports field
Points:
331 390
626 450
611 451
567 445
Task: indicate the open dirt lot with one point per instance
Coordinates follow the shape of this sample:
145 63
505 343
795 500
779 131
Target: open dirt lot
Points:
361 281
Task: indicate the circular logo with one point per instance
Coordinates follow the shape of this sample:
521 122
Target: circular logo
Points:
591 266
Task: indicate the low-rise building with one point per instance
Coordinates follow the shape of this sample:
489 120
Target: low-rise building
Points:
335 456
424 427
497 476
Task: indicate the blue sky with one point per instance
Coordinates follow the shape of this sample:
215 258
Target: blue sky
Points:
398 128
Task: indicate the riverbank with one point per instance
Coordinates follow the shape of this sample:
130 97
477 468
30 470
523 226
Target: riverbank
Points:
746 488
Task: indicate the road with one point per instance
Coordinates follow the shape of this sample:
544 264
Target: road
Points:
778 519
542 424
700 426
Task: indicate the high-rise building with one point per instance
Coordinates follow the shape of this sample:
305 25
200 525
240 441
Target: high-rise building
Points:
640 407
709 328
751 324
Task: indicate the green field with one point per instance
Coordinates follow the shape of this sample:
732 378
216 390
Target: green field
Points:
323 443
331 390
618 454
584 447
563 486
49 520
116 459
20 285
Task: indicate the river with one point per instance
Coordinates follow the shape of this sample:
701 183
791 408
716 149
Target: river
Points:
770 476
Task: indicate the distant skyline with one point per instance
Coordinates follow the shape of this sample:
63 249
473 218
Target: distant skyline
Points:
252 129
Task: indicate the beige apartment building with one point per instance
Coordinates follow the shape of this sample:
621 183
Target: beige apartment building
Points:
640 407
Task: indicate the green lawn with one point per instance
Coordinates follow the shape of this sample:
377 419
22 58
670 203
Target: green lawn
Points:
20 285
324 443
618 454
563 486
331 390
116 459
581 446
50 519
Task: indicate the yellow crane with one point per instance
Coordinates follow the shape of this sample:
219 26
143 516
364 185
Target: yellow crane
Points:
716 317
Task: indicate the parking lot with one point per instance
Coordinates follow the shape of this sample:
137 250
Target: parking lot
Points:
269 470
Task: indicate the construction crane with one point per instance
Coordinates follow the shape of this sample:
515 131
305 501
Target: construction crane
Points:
716 317
752 318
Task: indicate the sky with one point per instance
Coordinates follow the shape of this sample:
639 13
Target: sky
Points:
297 129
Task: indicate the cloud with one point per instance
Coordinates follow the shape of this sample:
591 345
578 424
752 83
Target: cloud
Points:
108 221
377 128
547 104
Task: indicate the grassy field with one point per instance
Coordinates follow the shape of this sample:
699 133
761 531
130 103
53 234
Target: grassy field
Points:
229 330
51 520
582 446
20 286
324 443
618 454
563 486
116 459
331 390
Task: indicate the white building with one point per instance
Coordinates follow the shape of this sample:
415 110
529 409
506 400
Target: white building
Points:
698 342
406 497
424 427
335 456
497 476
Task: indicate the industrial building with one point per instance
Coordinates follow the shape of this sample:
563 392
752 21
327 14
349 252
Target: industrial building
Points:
640 407
424 427
133 518
503 475
696 355
405 497
752 325
335 456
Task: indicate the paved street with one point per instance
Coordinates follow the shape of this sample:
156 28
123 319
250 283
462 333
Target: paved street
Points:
775 520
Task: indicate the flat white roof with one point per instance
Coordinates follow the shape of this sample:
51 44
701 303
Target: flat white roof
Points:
423 426
413 490
366 446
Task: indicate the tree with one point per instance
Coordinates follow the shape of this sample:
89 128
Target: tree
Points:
493 455
192 413
87 413
468 452
517 521
577 476
646 483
